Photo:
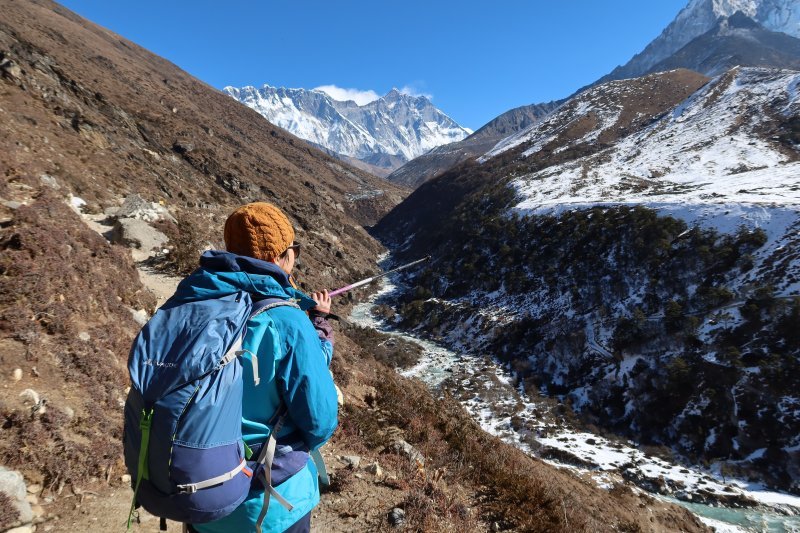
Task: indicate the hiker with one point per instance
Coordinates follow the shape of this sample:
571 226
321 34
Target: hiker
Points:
293 365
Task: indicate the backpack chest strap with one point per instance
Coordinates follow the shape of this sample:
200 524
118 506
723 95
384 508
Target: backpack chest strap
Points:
191 488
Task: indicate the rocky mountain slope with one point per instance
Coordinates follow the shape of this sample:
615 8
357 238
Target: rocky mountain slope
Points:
735 41
429 165
635 254
89 118
702 16
384 133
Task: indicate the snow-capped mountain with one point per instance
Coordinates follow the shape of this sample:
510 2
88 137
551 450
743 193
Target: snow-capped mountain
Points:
735 41
386 132
701 16
439 160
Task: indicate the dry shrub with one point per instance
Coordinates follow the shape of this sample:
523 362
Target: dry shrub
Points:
349 433
458 453
187 240
629 527
429 507
61 281
340 480
389 350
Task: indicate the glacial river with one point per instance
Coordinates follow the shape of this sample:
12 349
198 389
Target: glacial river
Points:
486 390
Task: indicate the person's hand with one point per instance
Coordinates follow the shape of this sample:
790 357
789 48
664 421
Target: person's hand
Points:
323 300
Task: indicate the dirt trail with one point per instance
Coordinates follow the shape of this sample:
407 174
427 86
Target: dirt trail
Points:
160 284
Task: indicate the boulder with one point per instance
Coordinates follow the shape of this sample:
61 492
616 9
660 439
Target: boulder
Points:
374 469
136 233
183 146
397 517
49 181
10 69
137 207
12 484
406 450
140 316
351 460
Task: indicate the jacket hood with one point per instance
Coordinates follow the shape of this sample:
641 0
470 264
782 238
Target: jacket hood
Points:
222 273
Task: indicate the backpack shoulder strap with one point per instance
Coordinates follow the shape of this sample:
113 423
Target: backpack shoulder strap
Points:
266 304
261 306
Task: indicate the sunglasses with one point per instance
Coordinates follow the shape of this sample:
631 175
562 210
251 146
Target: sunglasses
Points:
296 247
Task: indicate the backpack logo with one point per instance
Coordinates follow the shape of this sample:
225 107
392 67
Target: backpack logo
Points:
160 364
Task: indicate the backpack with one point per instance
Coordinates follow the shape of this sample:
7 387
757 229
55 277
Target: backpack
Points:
182 434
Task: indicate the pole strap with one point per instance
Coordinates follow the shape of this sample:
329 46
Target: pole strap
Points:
266 457
322 472
142 470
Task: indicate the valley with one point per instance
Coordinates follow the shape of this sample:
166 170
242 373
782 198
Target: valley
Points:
497 398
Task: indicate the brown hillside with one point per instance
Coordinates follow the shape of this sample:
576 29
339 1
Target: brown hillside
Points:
105 118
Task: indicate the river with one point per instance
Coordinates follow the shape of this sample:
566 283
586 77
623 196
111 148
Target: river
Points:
535 425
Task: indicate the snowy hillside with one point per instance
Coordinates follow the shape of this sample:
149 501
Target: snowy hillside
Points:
700 16
708 161
386 132
637 255
710 148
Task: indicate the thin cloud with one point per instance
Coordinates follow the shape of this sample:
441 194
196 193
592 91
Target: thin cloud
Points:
343 95
412 90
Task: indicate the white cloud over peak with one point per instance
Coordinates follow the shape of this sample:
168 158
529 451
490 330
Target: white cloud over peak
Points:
411 90
356 95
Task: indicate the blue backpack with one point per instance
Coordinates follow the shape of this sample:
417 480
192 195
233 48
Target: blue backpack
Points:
183 415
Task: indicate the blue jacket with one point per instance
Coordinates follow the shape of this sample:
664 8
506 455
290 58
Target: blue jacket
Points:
292 361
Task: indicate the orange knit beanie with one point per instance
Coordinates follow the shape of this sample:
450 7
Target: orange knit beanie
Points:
258 230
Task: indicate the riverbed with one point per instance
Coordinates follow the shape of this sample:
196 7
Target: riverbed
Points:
536 425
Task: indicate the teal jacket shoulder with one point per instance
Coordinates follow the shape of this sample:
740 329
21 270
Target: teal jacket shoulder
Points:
292 361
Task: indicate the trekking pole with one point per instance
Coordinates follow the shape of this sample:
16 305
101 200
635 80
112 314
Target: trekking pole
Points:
373 278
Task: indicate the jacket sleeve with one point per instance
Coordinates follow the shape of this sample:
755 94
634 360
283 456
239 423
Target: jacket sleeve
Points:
325 334
304 381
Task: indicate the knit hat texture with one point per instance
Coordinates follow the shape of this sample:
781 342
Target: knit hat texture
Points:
258 230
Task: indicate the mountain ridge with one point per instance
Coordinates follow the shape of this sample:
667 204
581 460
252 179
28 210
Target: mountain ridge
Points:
735 41
386 132
699 17
440 159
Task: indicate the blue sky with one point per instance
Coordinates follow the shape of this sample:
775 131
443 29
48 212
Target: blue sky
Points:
474 59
